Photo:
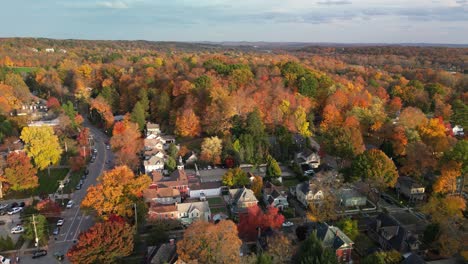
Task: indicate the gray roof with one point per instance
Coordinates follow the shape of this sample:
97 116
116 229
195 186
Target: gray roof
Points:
243 194
332 236
189 207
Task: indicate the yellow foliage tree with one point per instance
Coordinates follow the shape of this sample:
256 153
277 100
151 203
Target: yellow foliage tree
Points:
42 145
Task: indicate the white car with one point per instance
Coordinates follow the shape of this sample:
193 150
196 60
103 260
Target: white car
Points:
15 210
70 204
17 230
60 222
4 260
288 224
107 147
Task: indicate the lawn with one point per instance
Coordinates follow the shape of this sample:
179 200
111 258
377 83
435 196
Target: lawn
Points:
290 182
75 178
215 201
49 184
22 69
216 210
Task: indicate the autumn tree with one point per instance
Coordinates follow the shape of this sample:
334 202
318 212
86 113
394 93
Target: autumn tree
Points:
104 109
210 243
280 248
257 186
300 120
211 149
374 167
42 145
445 210
383 257
419 160
323 210
447 181
49 208
342 142
256 218
349 227
235 177
126 142
412 117
76 163
187 124
115 192
105 242
19 172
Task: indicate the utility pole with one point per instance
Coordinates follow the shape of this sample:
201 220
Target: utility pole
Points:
35 232
136 217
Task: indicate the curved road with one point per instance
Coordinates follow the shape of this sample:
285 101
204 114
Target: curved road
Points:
77 221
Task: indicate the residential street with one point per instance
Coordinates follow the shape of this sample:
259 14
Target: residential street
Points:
75 220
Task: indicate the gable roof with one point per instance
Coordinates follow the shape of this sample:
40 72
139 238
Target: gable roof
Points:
190 207
332 236
243 195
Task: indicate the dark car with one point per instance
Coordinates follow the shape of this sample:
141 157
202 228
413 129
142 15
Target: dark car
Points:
39 253
83 176
22 204
56 231
86 172
59 255
13 205
78 187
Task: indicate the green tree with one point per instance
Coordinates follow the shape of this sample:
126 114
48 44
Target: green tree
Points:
42 145
383 257
273 170
171 164
458 153
374 167
255 126
144 101
431 233
264 259
342 142
313 252
349 227
172 150
460 112
138 115
41 229
307 85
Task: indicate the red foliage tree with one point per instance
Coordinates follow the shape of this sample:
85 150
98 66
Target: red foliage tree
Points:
48 208
77 163
53 103
256 218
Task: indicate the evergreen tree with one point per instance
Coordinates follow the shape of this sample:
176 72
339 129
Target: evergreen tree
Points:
138 115
273 170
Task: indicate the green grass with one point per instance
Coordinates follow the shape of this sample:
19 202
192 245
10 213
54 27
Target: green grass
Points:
75 178
22 69
49 184
218 210
290 183
215 201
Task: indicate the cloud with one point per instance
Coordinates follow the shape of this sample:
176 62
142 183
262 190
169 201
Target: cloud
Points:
114 5
334 2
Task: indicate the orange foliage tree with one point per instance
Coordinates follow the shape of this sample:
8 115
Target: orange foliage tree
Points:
103 108
103 243
447 181
48 208
19 172
210 243
126 142
187 124
256 218
115 192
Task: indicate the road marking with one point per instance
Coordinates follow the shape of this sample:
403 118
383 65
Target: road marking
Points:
78 227
77 211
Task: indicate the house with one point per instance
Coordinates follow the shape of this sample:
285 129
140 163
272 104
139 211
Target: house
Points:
410 188
49 50
62 51
397 230
167 140
152 129
152 144
308 156
308 192
195 211
166 253
177 180
162 195
332 237
241 199
190 157
158 211
204 189
275 196
458 131
153 163
350 197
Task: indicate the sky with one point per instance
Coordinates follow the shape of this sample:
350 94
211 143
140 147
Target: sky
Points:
340 21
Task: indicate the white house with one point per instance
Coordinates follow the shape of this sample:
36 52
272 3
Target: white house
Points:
153 163
458 131
206 189
49 50
152 129
308 192
275 196
196 211
308 156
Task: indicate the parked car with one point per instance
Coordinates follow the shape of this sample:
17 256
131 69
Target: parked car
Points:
15 210
59 255
3 212
39 253
60 222
288 224
2 222
78 187
83 176
86 172
70 204
17 229
3 206
13 205
56 231
22 204
4 260
309 172
108 147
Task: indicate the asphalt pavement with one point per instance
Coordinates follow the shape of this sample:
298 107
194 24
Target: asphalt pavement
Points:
76 221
